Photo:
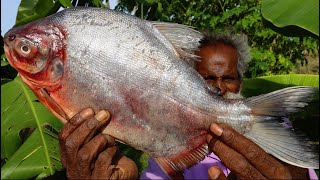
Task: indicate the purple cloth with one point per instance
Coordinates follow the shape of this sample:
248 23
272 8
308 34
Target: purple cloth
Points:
198 171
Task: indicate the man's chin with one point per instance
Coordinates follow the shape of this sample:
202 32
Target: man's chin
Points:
229 95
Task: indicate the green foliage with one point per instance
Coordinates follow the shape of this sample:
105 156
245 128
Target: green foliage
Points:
3 60
139 157
90 3
304 15
266 63
66 3
32 10
39 155
3 56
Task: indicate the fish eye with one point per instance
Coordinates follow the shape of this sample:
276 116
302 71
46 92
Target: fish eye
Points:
25 49
11 37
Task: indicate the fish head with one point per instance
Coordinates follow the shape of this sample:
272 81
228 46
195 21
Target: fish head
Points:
36 51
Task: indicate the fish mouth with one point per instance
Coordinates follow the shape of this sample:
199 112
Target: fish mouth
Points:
7 51
6 44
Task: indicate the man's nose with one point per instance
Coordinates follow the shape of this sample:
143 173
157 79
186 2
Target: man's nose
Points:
221 86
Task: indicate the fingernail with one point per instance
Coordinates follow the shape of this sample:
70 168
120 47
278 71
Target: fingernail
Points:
102 115
86 113
213 172
217 130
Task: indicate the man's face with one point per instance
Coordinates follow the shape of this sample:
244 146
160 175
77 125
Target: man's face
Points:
218 66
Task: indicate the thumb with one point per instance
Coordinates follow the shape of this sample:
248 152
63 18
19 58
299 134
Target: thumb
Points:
215 173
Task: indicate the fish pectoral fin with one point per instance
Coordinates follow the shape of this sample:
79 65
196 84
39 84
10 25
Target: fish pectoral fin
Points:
185 39
54 108
175 165
285 144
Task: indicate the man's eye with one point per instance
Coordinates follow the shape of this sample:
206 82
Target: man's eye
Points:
210 78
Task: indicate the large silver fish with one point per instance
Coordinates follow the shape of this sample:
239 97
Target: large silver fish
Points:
136 69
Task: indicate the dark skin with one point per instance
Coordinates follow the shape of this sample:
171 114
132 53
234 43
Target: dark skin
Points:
86 153
245 159
218 67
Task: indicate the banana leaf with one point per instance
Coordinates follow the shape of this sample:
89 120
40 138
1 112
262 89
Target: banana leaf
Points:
38 156
265 84
304 14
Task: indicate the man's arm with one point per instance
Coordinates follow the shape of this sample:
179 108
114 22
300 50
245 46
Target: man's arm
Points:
88 154
245 159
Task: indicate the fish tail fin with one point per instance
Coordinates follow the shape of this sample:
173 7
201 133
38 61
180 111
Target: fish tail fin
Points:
281 102
285 144
270 133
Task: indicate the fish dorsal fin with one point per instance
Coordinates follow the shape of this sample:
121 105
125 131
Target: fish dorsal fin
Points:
175 165
185 39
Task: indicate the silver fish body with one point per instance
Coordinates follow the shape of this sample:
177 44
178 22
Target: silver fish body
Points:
158 102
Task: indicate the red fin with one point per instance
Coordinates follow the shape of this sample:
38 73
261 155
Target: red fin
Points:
45 98
174 166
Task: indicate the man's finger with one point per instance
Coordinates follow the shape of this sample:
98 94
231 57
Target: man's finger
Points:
234 161
127 167
262 161
88 153
69 127
104 166
215 173
74 123
78 136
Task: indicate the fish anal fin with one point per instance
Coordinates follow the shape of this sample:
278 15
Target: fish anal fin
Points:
175 165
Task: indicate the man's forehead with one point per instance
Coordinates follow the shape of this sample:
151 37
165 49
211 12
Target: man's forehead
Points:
220 46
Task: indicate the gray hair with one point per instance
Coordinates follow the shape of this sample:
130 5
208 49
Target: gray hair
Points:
237 40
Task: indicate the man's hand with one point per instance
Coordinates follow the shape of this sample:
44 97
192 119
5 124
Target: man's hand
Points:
245 159
88 154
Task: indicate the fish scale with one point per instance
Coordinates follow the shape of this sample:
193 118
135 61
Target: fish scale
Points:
139 71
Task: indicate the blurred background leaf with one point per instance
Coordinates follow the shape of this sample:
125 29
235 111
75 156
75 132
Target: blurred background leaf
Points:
31 10
266 84
292 12
66 3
